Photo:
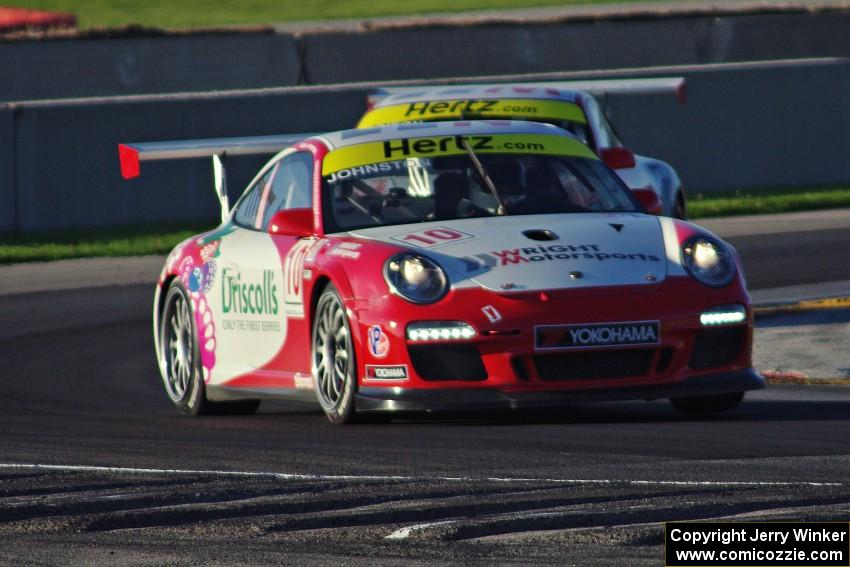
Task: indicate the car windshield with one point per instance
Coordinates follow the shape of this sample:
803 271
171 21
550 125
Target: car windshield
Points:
451 187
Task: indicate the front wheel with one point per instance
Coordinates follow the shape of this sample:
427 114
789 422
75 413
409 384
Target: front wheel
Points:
181 361
178 347
701 405
333 364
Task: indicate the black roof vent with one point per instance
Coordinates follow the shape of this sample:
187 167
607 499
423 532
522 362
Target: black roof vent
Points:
540 234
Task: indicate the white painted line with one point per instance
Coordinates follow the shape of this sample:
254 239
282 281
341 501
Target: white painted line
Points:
622 482
404 533
191 472
775 514
510 536
385 478
560 511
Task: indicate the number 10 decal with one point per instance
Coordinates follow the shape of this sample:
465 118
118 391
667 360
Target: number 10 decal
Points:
432 237
293 268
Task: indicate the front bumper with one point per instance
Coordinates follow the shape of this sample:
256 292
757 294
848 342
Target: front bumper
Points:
505 355
381 399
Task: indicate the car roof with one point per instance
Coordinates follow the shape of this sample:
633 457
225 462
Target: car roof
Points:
351 137
452 92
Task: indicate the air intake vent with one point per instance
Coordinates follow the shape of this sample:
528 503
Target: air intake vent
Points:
538 234
447 362
714 348
594 364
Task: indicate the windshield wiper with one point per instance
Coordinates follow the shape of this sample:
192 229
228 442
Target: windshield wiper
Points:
500 210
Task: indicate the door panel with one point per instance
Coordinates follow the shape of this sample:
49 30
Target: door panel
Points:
248 301
259 288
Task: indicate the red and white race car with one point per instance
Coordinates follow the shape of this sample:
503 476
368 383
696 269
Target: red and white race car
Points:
444 266
568 104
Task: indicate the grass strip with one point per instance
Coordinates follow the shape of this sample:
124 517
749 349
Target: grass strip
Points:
112 242
161 238
768 200
212 13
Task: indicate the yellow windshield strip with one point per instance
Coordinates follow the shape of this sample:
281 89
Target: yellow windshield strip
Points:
368 153
513 108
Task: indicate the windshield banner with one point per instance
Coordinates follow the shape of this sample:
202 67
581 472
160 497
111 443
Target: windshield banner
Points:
465 109
360 155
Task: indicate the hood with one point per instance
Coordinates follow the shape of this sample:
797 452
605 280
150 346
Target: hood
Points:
538 252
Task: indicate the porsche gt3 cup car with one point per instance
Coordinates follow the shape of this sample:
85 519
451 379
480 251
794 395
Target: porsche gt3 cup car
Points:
565 104
444 266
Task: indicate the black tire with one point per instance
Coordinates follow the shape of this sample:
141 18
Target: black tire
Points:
679 209
332 358
181 360
702 405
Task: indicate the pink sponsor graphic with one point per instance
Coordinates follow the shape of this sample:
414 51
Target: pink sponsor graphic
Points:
379 343
197 273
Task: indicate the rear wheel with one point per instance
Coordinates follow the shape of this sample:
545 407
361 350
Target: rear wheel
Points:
333 364
701 405
181 362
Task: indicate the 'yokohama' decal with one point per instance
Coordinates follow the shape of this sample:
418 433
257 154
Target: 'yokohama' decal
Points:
597 335
377 372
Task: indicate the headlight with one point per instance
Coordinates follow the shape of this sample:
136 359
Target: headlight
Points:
724 315
416 278
709 261
439 331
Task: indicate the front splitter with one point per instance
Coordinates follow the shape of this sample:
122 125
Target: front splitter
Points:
372 399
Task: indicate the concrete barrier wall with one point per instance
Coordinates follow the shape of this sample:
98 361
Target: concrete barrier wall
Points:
495 50
67 168
7 172
751 127
743 126
31 70
447 51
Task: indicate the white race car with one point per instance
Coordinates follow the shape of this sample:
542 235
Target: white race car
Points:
569 105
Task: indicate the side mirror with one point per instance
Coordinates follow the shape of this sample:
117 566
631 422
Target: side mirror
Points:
649 199
617 158
292 222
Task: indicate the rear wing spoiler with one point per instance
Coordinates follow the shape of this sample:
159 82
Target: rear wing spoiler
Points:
131 155
596 87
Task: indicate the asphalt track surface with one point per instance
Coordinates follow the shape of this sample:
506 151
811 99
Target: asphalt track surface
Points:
589 485
789 250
